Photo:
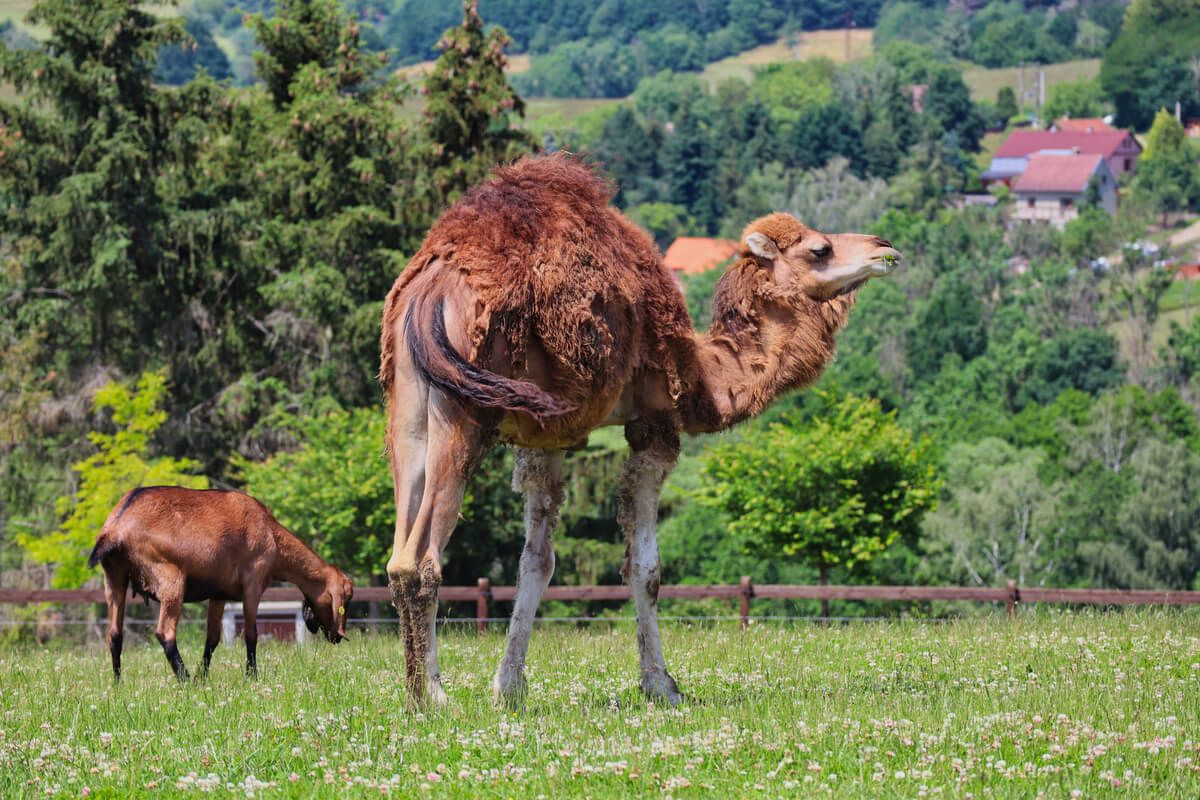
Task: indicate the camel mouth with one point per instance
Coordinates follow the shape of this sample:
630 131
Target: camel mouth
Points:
884 263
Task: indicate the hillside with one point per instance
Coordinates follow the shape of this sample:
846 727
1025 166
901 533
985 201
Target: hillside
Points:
985 83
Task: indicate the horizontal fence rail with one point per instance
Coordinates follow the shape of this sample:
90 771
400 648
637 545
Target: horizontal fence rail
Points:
483 594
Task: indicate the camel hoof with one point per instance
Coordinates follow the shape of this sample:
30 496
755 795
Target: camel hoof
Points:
662 688
437 695
509 691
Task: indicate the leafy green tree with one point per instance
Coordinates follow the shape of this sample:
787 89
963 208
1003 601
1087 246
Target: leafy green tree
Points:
951 322
948 101
689 161
827 132
334 491
997 520
835 492
1181 355
793 87
1063 28
1088 236
1080 358
664 221
1076 99
1162 515
120 464
1145 68
628 153
1006 103
663 97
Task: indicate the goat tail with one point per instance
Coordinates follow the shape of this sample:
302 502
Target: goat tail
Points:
442 366
105 546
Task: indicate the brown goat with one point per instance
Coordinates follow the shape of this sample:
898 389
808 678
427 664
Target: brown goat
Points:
179 546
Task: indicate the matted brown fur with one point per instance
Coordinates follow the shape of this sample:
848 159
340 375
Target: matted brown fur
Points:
569 297
551 264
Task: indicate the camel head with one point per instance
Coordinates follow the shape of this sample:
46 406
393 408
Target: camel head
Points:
821 265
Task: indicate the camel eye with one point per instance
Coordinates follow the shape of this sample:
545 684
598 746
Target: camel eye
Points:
821 251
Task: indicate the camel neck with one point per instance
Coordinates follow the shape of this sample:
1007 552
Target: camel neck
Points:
745 361
298 563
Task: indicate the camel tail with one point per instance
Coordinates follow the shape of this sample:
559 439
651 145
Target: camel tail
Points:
442 366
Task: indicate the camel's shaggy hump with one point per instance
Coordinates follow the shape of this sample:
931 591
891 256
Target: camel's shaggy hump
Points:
552 267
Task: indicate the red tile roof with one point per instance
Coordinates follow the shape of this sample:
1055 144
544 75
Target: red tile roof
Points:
1048 173
1023 143
1083 125
692 254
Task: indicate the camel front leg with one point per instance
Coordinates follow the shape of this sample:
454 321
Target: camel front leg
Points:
641 483
538 475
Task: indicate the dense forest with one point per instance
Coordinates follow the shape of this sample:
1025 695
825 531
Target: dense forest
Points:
193 279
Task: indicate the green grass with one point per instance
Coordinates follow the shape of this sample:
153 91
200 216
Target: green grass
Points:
1100 704
830 44
985 83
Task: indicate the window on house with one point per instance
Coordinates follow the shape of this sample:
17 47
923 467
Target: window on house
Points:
1128 164
1065 203
1030 202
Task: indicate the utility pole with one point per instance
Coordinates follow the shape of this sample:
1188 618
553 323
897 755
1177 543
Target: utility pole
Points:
1021 93
1041 95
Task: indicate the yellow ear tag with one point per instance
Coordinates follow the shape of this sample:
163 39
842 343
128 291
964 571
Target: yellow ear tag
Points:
342 610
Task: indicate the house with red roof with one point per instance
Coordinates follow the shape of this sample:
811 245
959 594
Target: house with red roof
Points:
1053 186
689 255
1118 148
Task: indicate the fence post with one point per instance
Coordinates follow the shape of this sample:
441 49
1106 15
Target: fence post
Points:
1010 602
481 605
747 592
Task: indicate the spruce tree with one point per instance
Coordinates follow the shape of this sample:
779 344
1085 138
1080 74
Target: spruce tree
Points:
467 116
85 143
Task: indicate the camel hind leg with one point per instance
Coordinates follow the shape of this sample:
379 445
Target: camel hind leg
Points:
431 461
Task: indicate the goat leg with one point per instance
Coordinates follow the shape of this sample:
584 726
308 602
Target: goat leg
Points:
215 609
169 610
116 583
250 620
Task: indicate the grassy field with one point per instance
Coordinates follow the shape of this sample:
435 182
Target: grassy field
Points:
984 83
1056 706
830 44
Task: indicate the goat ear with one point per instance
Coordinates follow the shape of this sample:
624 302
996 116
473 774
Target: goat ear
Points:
761 245
310 618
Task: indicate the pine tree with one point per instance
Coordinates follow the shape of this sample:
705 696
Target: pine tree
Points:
84 146
304 32
467 116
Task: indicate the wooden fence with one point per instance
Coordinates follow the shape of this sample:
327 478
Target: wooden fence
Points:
484 594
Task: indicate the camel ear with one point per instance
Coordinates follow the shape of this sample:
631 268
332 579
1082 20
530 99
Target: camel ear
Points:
761 245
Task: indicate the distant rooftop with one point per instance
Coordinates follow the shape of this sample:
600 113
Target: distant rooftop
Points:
693 254
1023 143
1057 173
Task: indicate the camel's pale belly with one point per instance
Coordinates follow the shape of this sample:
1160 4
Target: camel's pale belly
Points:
521 430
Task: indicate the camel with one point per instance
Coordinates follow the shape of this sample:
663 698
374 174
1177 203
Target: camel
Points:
535 312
